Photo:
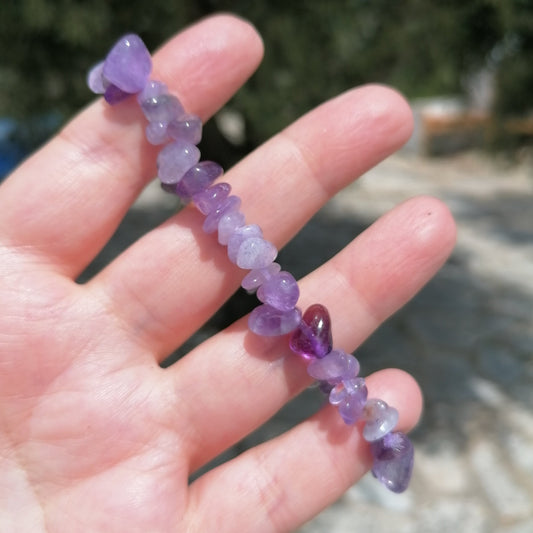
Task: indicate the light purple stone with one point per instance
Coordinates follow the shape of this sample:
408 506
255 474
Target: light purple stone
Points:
188 127
350 397
335 367
393 461
255 278
206 201
256 252
175 159
156 133
162 108
230 204
95 79
152 89
239 236
280 291
380 419
228 223
128 64
270 322
198 178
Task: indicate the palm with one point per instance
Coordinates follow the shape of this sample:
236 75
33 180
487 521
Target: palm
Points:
93 428
95 436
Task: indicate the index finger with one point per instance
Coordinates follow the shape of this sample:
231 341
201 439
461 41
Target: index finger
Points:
65 202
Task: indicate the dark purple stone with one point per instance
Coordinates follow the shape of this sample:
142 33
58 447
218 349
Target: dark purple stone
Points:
393 460
113 95
198 178
313 337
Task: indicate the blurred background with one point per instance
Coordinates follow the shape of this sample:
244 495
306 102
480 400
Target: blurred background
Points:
466 67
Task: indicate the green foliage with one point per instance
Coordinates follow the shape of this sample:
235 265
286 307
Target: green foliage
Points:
314 49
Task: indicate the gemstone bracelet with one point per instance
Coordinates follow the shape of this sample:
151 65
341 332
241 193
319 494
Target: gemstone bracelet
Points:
126 71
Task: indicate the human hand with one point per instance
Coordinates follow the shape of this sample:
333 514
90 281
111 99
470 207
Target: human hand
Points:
94 435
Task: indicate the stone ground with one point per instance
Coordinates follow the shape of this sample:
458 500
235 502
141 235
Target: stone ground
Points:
467 338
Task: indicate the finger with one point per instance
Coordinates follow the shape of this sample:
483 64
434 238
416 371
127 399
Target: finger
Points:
279 485
246 379
282 184
65 202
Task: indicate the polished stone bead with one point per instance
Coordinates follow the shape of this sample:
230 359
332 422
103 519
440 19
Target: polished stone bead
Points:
198 178
163 108
313 336
230 204
270 322
113 95
350 397
156 133
255 278
152 89
335 367
280 291
188 127
227 225
393 461
256 252
380 419
128 64
175 159
96 80
239 236
206 201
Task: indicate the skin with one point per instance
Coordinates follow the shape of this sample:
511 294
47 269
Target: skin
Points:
94 435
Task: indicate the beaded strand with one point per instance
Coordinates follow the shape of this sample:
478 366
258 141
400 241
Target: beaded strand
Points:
126 71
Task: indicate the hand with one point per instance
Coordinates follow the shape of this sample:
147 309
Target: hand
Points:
94 434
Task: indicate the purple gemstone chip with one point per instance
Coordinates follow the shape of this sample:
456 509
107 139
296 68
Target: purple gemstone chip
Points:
206 201
280 291
198 178
175 159
313 336
255 278
350 397
227 225
239 236
128 64
335 367
230 205
393 461
380 419
95 79
270 322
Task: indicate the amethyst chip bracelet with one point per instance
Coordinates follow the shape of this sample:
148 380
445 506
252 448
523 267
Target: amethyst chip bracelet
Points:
126 71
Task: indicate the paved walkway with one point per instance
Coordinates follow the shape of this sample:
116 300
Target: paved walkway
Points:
468 339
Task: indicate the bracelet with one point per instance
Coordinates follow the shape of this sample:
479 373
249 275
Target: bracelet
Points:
126 71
